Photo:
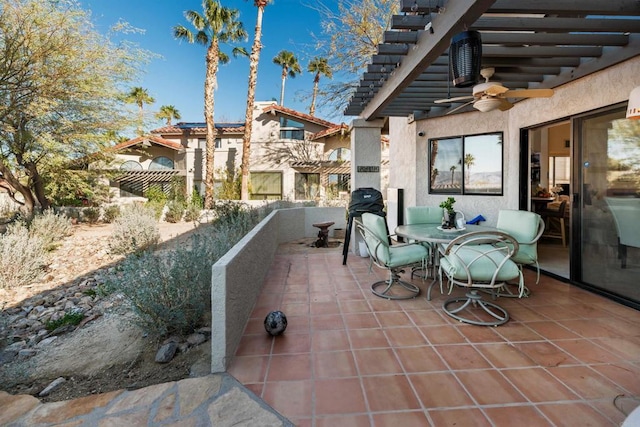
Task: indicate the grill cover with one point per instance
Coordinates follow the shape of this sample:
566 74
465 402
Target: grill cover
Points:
366 200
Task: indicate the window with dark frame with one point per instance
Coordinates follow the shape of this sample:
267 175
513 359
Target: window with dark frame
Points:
471 164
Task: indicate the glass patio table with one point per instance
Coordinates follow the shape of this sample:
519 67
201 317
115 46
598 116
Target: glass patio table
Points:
435 235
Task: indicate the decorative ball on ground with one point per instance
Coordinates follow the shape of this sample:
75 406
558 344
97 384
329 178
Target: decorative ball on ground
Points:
275 323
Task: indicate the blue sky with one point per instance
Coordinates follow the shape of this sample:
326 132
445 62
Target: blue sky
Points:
177 78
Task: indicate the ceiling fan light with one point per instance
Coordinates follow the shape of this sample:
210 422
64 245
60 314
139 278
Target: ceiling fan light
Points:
633 108
465 55
488 104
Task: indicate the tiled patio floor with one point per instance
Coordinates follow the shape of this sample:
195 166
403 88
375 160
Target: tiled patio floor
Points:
349 358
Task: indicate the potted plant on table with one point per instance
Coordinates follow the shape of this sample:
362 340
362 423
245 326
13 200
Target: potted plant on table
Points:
449 218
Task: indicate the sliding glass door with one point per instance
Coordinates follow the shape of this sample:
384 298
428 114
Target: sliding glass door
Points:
607 203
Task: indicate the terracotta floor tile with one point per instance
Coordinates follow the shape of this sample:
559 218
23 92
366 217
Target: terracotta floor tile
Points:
546 354
390 319
329 340
354 306
518 331
587 329
329 321
525 314
503 355
289 367
343 421
579 413
586 382
439 390
426 317
551 330
404 419
361 321
367 338
321 308
444 334
379 305
389 393
291 343
252 345
339 396
628 348
477 334
488 387
377 361
295 324
587 352
405 337
248 369
510 416
350 295
420 359
623 374
538 385
334 364
462 357
292 309
467 417
292 398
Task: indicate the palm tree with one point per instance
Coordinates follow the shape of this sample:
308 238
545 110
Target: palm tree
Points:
168 113
318 66
251 96
139 96
290 66
469 161
453 171
217 24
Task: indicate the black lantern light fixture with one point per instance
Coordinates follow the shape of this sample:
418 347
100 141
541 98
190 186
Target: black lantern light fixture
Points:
465 55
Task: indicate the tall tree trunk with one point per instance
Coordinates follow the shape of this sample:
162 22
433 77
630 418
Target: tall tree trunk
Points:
434 155
284 78
209 87
38 185
251 96
312 110
13 183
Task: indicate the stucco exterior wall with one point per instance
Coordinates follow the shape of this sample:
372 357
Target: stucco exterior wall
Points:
608 87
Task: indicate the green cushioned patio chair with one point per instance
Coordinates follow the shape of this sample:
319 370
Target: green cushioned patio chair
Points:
527 228
373 229
480 260
424 215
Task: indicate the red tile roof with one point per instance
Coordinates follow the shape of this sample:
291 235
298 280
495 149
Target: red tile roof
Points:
294 113
198 127
149 138
341 128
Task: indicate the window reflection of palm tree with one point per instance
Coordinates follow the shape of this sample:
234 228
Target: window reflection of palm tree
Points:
469 161
453 171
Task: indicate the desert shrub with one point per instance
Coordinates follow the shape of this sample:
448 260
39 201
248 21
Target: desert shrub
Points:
91 214
223 210
50 227
156 200
192 213
175 211
170 290
135 230
196 199
22 257
111 213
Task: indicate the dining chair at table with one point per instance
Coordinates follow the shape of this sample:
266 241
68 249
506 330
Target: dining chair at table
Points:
424 215
480 260
527 228
555 222
394 258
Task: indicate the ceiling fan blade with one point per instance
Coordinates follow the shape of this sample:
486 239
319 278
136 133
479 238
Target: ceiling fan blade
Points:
495 90
527 93
459 98
504 105
459 107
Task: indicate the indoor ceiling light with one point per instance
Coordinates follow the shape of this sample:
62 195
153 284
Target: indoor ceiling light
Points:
633 109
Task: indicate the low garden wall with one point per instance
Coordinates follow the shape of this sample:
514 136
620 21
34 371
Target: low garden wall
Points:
238 276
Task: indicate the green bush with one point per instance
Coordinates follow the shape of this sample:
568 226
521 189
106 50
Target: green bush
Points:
135 230
170 290
156 200
111 213
50 227
69 318
22 257
175 211
192 213
91 214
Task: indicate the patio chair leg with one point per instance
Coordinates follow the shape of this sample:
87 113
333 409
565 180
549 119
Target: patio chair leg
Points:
474 299
394 279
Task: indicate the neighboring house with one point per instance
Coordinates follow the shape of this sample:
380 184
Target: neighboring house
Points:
294 156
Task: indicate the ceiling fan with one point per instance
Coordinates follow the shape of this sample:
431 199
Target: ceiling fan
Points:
489 96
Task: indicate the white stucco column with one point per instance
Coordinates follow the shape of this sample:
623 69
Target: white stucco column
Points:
365 153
